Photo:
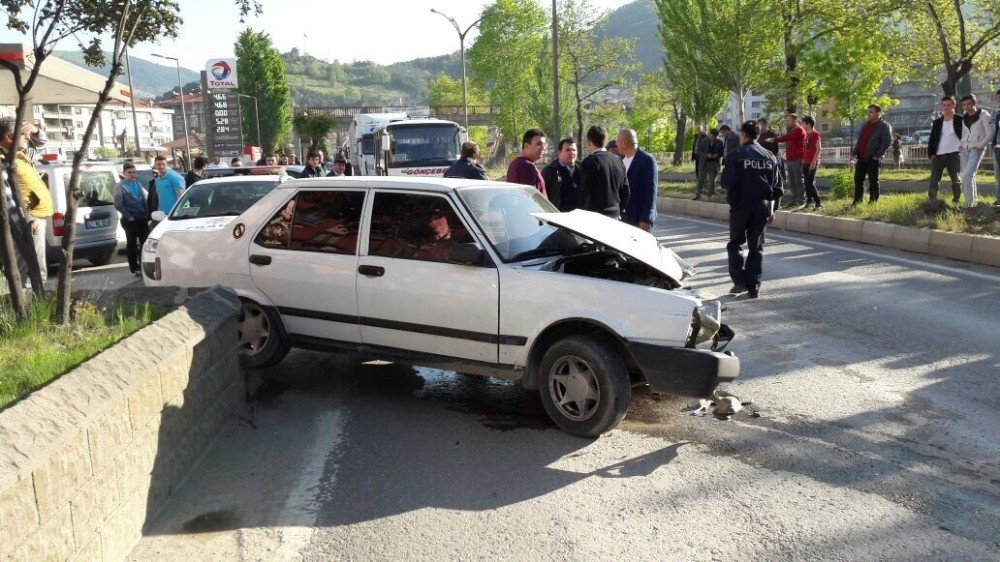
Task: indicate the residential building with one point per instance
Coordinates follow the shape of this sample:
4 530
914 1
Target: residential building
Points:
196 119
754 107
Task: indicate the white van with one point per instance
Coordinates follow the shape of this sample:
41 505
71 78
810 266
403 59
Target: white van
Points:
96 217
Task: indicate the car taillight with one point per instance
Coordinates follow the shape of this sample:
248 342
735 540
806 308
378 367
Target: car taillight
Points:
58 224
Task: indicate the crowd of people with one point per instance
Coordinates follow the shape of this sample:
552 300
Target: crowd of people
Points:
620 184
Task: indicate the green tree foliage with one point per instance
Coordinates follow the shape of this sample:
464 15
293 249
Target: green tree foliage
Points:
950 38
649 115
731 40
849 71
803 27
508 60
444 92
315 126
262 75
590 64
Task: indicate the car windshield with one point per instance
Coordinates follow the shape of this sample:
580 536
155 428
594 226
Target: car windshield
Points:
424 145
220 199
504 214
368 145
97 187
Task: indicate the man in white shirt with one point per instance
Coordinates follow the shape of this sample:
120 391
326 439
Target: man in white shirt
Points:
217 163
943 149
976 134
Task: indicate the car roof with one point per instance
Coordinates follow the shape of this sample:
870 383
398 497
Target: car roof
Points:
438 185
244 179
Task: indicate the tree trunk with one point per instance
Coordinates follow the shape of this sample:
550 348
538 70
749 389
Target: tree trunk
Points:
681 121
579 114
740 93
791 66
64 289
9 261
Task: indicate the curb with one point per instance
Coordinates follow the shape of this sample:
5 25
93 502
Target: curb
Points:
983 250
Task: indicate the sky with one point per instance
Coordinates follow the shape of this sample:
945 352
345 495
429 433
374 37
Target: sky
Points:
384 31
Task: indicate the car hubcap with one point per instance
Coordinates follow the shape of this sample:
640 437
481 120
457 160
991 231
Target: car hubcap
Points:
573 388
254 329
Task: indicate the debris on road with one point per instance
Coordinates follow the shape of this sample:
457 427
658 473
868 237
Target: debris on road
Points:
723 405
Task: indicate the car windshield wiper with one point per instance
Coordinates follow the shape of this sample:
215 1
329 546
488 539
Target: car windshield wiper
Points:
537 253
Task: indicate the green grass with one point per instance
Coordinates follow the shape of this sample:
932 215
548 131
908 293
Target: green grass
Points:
907 209
35 351
887 174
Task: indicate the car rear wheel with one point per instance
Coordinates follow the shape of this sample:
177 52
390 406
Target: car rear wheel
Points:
260 338
585 386
102 259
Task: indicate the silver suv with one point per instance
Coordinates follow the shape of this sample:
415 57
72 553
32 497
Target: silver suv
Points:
96 217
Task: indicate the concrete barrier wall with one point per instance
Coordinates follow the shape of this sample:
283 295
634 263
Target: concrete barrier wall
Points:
88 460
965 247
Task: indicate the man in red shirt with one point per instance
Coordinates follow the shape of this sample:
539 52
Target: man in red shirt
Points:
796 139
522 169
810 161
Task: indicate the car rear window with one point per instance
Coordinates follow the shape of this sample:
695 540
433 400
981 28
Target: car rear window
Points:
220 199
97 187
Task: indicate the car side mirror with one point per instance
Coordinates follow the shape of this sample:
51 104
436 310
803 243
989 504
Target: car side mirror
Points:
466 254
158 216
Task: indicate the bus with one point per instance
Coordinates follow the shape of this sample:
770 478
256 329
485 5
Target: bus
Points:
418 147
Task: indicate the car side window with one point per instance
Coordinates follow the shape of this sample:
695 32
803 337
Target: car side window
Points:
316 221
415 227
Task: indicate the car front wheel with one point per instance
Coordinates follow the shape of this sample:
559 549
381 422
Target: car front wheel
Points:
585 386
260 339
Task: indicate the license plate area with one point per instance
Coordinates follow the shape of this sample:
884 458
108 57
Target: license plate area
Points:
95 224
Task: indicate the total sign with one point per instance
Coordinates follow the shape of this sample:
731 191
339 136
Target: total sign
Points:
221 73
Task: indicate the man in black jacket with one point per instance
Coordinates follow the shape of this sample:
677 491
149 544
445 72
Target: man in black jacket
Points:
603 182
194 175
753 189
562 177
467 166
943 149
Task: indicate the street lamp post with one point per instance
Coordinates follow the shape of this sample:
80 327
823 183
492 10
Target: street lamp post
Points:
131 97
461 43
256 116
184 115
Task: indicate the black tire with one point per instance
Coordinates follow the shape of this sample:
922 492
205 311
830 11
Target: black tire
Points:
608 390
102 259
264 350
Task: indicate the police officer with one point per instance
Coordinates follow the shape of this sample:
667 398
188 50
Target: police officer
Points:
753 188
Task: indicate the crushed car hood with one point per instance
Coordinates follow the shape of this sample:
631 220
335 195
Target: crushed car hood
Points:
623 237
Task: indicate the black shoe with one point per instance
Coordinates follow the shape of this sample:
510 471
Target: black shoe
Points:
737 289
697 198
752 294
818 206
855 203
872 201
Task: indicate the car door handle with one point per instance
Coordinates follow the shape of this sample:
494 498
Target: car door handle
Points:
371 270
258 259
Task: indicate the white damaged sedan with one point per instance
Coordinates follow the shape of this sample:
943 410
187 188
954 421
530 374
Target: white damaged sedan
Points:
482 277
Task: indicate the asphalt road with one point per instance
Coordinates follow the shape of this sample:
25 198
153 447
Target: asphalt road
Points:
873 374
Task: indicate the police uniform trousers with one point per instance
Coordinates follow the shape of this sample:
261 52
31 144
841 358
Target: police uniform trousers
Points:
746 226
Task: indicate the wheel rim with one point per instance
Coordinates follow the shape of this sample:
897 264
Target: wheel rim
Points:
254 329
574 388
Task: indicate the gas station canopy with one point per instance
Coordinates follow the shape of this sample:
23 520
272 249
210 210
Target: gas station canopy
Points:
58 81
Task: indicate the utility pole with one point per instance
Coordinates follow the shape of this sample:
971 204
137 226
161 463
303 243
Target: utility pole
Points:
256 116
555 75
